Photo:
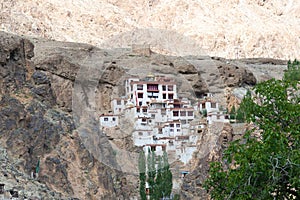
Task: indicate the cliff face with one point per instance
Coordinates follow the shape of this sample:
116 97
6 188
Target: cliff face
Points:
235 28
36 123
50 100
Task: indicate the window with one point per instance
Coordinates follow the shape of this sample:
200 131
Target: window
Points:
153 148
183 113
178 130
114 119
214 105
171 96
203 105
170 87
106 119
140 95
144 120
140 103
164 96
164 88
171 125
160 131
138 110
190 113
183 121
175 113
178 125
140 133
171 130
144 110
152 87
153 116
139 87
176 105
118 102
218 116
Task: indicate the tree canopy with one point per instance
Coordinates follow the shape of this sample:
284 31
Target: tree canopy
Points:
265 163
159 177
293 71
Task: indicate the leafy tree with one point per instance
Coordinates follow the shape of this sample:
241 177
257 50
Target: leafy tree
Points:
142 171
151 160
293 71
167 176
159 176
265 164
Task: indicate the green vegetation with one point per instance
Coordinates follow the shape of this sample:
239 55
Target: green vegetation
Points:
264 164
293 71
159 176
142 170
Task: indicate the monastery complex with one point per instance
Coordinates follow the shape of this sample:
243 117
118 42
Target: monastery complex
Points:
162 120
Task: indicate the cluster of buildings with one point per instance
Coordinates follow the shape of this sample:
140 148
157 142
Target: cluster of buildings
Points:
162 121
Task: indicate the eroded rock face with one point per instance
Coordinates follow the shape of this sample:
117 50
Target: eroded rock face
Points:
36 124
210 148
234 76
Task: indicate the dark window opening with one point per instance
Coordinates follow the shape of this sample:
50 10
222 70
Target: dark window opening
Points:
170 87
152 87
140 95
175 113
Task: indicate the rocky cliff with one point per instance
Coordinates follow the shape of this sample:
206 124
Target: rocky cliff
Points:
231 29
51 94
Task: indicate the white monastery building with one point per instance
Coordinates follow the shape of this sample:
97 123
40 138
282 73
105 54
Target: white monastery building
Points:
162 121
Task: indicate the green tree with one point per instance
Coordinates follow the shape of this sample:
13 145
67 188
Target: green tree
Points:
159 176
265 164
167 176
142 173
151 161
293 71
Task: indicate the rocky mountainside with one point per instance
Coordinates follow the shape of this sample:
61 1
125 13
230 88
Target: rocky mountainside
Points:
230 29
51 94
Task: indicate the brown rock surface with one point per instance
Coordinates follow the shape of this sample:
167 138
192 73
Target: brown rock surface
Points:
231 29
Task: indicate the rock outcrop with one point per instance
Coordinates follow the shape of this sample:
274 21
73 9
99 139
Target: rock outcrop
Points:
36 124
211 145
